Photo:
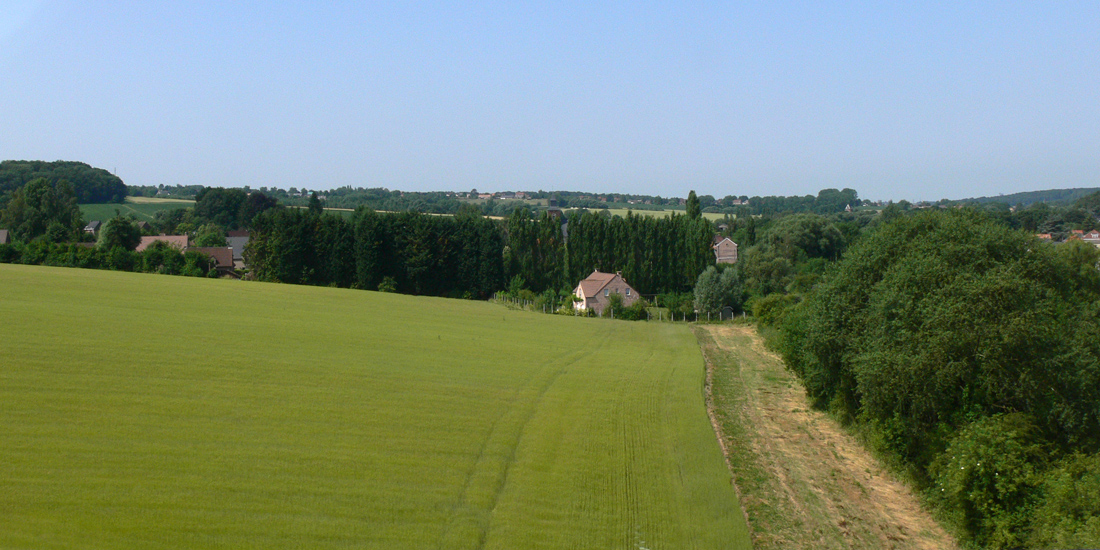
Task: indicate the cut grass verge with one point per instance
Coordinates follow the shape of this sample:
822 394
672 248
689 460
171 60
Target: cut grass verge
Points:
803 482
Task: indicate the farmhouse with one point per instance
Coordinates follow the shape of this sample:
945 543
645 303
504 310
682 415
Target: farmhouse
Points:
222 256
725 250
596 290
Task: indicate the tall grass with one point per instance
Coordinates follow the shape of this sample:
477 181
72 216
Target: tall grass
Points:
146 411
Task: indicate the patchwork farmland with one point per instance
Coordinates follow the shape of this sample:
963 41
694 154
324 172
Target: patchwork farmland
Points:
147 411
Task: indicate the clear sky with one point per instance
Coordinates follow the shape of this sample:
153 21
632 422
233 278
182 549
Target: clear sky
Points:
916 101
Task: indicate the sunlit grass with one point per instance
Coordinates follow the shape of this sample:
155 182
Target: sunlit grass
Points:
148 411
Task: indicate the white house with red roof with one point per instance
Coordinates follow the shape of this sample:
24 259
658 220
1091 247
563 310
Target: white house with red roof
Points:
595 291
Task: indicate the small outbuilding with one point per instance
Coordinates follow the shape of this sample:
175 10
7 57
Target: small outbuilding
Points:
595 291
725 250
4 237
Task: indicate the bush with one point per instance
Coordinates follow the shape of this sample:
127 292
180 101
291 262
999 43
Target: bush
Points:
773 308
9 254
388 284
1069 516
987 481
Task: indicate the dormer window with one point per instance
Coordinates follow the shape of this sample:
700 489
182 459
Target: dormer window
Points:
606 292
628 292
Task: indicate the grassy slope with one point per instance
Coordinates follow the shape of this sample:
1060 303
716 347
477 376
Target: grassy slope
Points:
147 411
143 208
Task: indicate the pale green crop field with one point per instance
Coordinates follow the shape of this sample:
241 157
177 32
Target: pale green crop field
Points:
621 212
149 411
142 208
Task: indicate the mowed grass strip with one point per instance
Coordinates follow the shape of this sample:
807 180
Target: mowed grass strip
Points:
148 411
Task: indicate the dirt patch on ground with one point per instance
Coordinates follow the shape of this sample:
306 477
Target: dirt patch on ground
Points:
804 482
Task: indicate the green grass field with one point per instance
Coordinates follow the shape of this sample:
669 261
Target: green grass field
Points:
143 208
149 411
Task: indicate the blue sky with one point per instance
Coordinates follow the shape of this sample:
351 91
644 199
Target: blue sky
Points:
930 101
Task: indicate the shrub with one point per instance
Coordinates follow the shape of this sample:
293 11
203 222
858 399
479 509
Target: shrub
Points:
987 480
388 284
773 308
1069 516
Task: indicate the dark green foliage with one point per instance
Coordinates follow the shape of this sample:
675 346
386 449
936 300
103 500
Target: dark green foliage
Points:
793 249
209 235
654 254
694 211
36 206
1069 516
315 204
715 290
162 258
1089 203
936 321
772 309
90 185
119 231
987 480
1052 196
256 203
221 206
197 264
420 254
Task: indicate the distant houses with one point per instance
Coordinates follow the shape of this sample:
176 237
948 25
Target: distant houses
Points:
178 242
594 292
93 227
1092 237
222 256
237 241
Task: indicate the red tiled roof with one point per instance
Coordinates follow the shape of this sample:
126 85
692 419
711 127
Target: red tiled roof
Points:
222 255
177 241
592 285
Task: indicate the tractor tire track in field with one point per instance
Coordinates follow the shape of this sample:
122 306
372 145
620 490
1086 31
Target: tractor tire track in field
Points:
472 515
803 481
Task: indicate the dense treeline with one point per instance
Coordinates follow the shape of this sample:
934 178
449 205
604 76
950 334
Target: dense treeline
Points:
43 210
654 254
1051 196
969 352
411 253
468 255
158 258
90 185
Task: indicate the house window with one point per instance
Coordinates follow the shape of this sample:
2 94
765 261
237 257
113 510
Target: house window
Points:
606 292
628 292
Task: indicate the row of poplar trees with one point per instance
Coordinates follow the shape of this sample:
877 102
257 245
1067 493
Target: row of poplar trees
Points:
654 254
470 256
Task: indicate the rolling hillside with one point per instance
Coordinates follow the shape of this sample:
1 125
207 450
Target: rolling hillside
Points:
148 411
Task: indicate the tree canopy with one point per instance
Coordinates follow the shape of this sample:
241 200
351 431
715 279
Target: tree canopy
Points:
933 329
39 205
90 185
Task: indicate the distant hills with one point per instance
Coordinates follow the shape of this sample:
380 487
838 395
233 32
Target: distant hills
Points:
1053 196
